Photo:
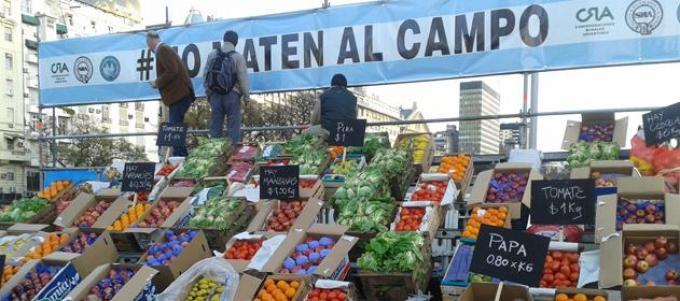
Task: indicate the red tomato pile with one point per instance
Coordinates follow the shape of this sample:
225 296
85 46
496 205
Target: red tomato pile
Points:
165 170
410 219
322 294
284 217
243 249
561 270
430 191
307 183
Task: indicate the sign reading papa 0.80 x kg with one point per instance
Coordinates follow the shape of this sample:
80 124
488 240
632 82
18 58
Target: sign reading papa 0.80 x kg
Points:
510 255
280 182
138 177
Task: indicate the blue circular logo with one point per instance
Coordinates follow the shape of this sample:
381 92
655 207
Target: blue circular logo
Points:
109 68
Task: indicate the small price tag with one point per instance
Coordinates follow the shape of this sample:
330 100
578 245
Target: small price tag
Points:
171 135
510 255
662 125
350 132
138 177
563 202
279 182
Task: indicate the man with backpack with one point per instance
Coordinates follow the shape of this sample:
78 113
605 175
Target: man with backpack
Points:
226 81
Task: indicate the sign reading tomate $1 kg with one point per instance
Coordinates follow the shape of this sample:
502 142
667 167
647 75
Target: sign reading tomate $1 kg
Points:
280 182
563 202
510 255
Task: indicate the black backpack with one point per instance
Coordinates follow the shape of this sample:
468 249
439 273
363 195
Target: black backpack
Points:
222 77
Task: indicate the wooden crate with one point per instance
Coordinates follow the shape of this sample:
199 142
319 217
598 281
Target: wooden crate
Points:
429 153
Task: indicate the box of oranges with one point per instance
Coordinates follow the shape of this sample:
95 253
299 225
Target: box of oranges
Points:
570 294
496 215
459 167
284 287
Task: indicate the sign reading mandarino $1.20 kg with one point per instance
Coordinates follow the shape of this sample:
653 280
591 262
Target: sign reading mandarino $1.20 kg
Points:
510 255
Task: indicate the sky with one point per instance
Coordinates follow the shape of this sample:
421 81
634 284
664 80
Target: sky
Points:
586 89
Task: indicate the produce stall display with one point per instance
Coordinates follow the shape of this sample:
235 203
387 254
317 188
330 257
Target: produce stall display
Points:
23 210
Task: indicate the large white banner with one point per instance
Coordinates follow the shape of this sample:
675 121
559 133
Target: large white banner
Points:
376 43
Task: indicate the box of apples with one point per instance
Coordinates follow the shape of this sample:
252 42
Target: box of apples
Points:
641 255
282 216
639 200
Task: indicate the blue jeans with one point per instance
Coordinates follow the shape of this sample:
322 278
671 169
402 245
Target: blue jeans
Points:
229 105
176 115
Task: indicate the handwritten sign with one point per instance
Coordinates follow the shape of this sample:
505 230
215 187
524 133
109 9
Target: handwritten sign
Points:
510 255
279 182
2 264
349 132
138 177
171 134
662 125
563 202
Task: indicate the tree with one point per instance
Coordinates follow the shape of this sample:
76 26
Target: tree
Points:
88 152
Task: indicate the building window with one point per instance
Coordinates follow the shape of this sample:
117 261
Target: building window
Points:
7 8
9 61
9 87
10 177
139 106
10 115
8 34
26 7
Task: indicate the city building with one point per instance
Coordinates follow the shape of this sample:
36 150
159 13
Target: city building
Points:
413 113
13 154
479 136
510 137
46 20
446 142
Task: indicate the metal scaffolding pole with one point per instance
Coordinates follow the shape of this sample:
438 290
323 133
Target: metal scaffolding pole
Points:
525 108
533 140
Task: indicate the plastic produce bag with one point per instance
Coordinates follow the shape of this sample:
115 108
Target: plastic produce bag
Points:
656 160
214 268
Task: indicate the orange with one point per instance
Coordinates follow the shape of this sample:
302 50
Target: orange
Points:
580 297
503 209
294 284
271 288
561 297
599 298
282 285
268 282
261 293
290 292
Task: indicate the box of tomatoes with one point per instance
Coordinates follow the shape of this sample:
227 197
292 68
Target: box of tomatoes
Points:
561 268
417 216
437 188
331 290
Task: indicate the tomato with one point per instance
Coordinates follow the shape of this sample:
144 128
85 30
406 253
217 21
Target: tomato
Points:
332 295
560 276
548 278
565 270
557 255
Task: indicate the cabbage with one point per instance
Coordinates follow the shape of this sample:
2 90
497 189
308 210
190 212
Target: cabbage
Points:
393 252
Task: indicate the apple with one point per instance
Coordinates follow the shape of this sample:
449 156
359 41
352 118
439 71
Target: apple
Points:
671 275
671 282
630 282
630 261
629 273
652 260
640 213
661 253
650 208
672 247
631 249
649 246
660 242
642 267
659 216
642 253
649 218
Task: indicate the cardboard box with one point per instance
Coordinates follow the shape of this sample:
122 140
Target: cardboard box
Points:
431 219
348 287
573 130
175 193
108 194
590 293
306 218
305 284
80 205
611 266
237 220
334 266
30 239
450 194
630 293
247 287
141 287
196 250
100 252
479 190
241 263
624 167
63 281
488 291
649 188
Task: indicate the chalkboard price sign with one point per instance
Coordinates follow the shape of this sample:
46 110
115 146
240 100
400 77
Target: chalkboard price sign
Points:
138 177
2 265
510 255
563 202
662 125
279 182
171 134
349 132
